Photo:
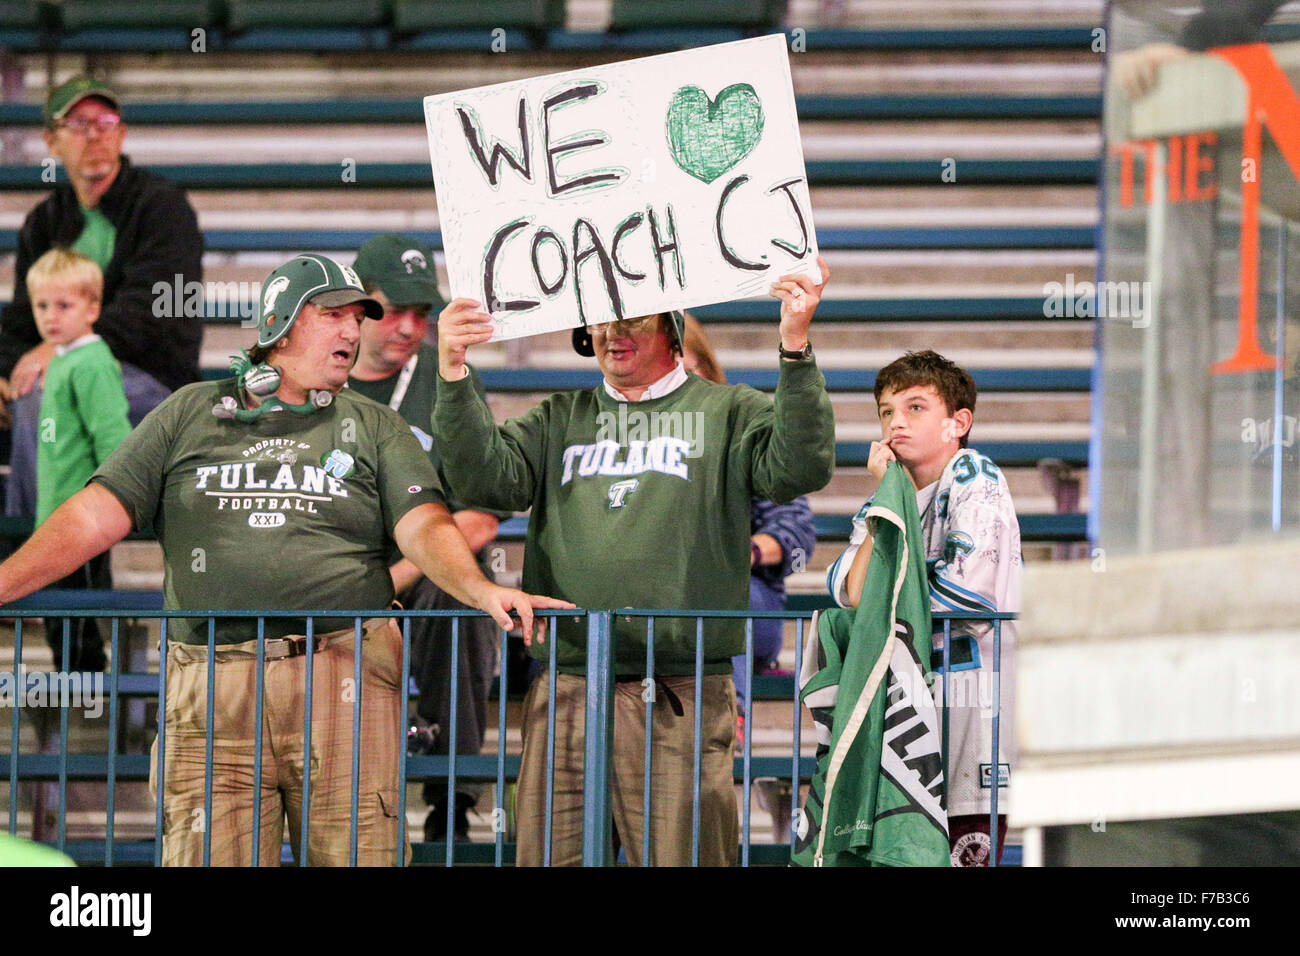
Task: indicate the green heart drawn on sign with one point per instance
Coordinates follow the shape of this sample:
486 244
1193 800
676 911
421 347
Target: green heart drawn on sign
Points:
708 137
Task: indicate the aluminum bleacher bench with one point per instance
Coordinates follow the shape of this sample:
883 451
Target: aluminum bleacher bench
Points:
829 172
410 110
978 237
337 26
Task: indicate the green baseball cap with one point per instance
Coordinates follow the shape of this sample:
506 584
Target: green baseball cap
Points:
303 279
401 268
67 95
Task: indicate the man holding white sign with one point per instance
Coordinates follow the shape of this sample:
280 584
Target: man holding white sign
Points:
586 199
640 493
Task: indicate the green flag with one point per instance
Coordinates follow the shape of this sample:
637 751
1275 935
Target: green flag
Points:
877 797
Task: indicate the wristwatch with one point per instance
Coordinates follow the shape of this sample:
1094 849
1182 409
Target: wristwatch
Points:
803 353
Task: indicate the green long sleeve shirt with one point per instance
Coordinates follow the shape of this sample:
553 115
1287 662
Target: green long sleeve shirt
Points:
83 418
642 504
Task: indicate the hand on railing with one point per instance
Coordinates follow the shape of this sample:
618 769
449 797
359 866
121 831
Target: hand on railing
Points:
499 602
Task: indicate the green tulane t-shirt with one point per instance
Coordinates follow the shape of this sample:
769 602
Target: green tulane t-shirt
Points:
290 512
642 504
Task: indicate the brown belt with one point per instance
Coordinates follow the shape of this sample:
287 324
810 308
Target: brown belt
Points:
278 648
295 645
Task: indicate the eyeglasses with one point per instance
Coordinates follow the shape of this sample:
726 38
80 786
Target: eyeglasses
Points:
625 326
82 127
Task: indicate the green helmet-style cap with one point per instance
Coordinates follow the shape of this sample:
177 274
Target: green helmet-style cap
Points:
67 95
582 335
308 278
402 269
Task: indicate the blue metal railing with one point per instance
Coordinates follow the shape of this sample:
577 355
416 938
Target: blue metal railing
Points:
598 744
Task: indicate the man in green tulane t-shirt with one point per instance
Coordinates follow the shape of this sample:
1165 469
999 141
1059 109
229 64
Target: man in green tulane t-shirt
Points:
277 490
640 493
252 515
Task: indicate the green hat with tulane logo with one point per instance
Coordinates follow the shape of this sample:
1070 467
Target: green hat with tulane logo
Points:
402 269
304 279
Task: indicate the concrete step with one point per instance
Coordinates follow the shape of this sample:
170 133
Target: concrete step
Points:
835 207
885 14
1001 139
878 14
946 204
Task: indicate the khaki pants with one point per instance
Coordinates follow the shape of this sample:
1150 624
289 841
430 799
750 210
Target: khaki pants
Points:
284 696
671 772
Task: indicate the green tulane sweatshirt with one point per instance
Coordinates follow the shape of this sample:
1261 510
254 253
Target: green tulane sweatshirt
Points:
642 504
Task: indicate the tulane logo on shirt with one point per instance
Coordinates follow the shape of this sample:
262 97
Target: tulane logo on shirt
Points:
619 491
273 482
666 455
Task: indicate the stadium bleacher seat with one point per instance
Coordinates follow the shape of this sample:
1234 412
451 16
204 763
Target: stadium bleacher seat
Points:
21 14
414 16
97 15
656 14
247 14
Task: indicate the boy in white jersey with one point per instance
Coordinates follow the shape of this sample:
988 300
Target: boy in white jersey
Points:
972 550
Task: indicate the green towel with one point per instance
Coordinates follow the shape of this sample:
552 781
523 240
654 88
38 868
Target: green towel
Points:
877 798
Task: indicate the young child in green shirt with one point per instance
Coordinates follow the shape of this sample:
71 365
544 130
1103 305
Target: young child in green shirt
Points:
83 418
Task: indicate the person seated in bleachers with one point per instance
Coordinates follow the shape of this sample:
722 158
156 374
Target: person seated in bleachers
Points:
141 232
83 418
395 367
972 553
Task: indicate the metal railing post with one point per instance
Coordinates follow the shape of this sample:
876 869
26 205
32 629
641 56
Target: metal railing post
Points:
995 772
111 803
597 824
404 706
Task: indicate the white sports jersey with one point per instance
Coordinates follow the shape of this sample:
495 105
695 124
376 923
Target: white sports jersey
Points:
972 554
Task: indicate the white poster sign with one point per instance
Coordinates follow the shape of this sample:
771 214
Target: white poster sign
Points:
665 182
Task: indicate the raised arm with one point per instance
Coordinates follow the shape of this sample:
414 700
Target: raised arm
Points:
791 447
485 466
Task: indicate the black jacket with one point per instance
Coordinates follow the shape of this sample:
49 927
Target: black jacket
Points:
158 238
